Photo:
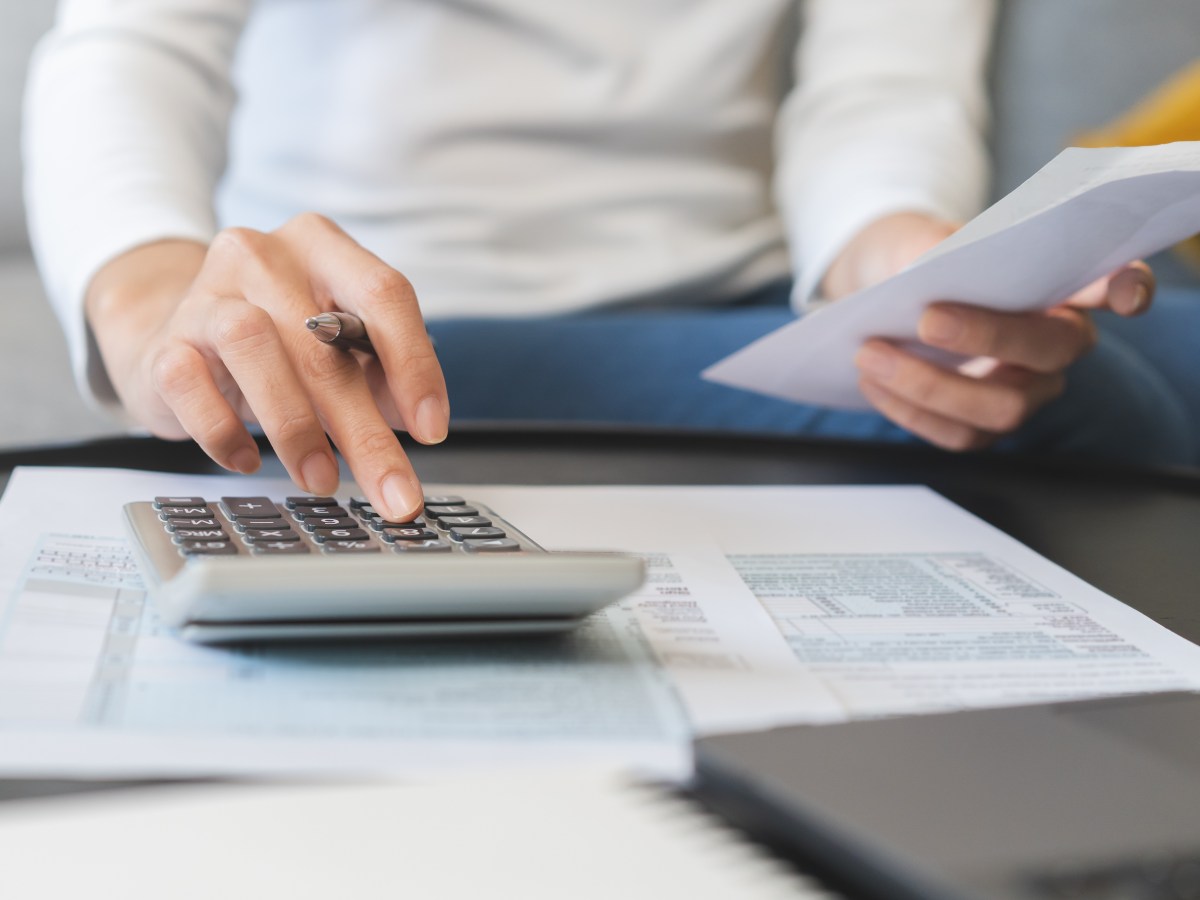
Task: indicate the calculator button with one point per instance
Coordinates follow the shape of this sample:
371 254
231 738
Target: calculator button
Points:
350 547
431 546
160 502
448 522
379 523
493 545
408 534
245 526
459 534
267 535
199 534
356 502
171 512
300 502
207 548
443 500
257 507
318 512
340 534
436 512
279 548
247 523
204 522
313 523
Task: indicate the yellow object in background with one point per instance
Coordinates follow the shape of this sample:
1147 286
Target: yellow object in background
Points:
1169 113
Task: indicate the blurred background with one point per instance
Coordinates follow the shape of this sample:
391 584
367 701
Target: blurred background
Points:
1061 68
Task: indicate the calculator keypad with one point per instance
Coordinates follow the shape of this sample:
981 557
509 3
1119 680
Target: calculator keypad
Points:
258 526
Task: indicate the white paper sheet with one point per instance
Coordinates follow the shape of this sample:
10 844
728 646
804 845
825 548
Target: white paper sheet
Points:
1085 214
560 834
870 599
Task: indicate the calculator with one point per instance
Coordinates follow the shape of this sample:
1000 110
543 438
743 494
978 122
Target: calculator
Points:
253 568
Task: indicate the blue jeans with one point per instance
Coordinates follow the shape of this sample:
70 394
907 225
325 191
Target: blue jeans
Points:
640 366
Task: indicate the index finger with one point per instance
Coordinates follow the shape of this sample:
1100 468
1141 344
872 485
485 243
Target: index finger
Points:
353 278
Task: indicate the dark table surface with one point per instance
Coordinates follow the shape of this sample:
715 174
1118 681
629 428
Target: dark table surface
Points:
1130 532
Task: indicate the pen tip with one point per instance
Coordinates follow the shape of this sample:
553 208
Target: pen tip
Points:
312 323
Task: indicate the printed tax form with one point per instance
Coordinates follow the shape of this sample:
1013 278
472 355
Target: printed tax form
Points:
764 605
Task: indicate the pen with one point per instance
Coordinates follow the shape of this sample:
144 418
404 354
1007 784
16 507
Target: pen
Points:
345 330
340 329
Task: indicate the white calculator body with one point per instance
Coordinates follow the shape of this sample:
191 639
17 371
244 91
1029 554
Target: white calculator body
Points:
253 568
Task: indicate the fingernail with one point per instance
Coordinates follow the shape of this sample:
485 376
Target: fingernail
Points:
402 497
876 362
320 473
941 326
246 460
1141 297
432 420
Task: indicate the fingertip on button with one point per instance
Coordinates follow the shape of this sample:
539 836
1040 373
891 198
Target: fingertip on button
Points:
402 497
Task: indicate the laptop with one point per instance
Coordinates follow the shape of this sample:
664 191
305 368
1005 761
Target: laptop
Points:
1089 800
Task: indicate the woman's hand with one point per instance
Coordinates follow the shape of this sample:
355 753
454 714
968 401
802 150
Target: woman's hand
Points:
200 340
1017 362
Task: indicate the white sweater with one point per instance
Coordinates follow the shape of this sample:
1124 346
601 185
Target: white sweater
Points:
509 156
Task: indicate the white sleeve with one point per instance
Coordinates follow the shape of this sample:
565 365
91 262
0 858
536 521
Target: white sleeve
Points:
126 122
887 115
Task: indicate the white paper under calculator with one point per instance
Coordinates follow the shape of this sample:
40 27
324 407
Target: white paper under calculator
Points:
764 605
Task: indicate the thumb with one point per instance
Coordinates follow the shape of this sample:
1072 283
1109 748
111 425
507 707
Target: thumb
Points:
1128 291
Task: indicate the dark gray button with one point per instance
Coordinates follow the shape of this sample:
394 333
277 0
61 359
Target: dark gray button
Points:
497 545
171 512
408 534
295 502
447 522
250 524
267 535
203 522
434 546
278 548
379 523
443 500
436 512
160 502
308 513
254 507
339 534
199 534
459 534
330 522
208 548
350 547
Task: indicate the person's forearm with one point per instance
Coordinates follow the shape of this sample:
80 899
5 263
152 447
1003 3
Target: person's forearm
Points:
886 116
124 137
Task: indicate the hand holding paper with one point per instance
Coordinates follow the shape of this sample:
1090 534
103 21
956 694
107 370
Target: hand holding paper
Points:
1083 216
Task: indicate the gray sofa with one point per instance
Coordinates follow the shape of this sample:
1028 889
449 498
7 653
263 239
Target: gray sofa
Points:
1060 66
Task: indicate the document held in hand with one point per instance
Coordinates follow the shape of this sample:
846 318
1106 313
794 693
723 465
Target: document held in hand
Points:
1083 215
